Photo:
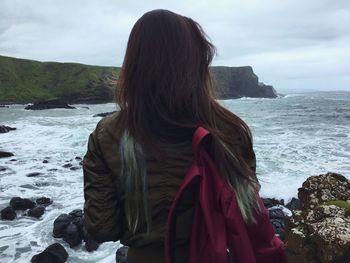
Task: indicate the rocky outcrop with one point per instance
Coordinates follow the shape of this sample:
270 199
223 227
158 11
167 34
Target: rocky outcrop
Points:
54 253
33 209
30 80
5 129
4 154
70 228
237 82
49 104
104 114
320 230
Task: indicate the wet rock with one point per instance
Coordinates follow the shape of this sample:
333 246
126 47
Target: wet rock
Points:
76 213
49 104
293 204
36 212
43 201
53 170
67 165
104 114
6 154
2 168
72 235
60 224
5 129
54 253
45 161
320 230
33 174
322 188
270 202
13 160
19 203
81 163
8 213
121 254
78 158
74 168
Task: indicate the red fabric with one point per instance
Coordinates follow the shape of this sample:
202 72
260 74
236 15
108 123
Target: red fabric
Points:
218 226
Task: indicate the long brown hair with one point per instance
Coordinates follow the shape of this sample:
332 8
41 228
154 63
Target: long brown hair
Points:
165 91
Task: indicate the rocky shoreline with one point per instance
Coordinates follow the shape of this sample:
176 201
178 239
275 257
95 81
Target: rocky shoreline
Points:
315 226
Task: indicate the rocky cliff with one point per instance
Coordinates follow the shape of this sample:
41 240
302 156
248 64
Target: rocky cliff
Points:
23 81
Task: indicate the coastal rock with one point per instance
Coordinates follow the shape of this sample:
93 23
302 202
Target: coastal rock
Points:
36 212
104 114
270 202
8 213
33 174
293 204
54 253
48 104
67 165
60 224
2 168
3 106
5 154
19 203
237 82
5 129
121 254
72 235
320 230
70 228
43 201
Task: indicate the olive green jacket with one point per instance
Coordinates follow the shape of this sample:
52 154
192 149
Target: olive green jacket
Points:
104 193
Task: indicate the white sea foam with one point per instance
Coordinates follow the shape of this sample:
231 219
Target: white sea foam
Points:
294 138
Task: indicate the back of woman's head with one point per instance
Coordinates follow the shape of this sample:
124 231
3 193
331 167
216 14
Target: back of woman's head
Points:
165 91
165 77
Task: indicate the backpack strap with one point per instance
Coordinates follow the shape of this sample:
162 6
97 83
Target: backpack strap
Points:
199 135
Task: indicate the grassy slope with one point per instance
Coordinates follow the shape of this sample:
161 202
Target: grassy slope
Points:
24 80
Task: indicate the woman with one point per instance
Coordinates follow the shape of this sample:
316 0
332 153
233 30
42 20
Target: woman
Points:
137 158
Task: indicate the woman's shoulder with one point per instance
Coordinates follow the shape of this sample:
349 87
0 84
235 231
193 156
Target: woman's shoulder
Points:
108 126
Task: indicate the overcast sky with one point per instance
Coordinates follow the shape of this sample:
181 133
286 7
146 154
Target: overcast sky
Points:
291 44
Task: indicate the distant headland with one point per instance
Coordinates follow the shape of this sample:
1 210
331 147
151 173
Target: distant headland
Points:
24 81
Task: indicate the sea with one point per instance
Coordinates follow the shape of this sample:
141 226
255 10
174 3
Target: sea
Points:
294 137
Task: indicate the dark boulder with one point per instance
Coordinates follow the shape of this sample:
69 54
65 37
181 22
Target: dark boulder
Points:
121 254
76 213
60 224
44 201
33 174
67 165
293 204
74 168
2 168
36 212
6 154
78 158
104 114
72 235
45 161
19 203
90 243
270 202
54 253
49 104
8 213
5 129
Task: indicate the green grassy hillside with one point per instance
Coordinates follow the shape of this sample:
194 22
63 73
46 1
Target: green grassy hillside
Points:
23 80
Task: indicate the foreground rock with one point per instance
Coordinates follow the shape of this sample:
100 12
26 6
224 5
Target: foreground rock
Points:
54 253
49 104
34 209
5 129
320 230
70 228
121 254
5 154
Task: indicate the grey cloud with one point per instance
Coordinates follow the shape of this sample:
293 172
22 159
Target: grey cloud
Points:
284 41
